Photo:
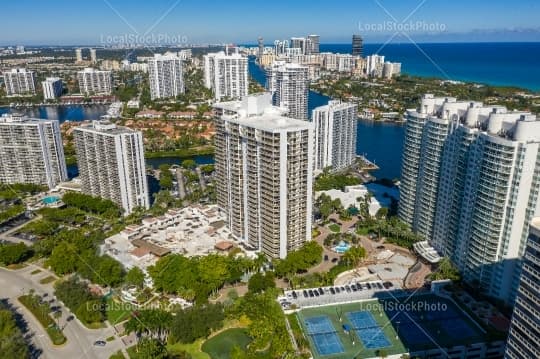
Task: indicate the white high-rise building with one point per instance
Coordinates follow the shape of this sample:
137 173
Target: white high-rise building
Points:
31 151
524 336
289 85
166 76
280 47
111 164
470 183
93 56
226 75
78 55
313 44
95 82
374 65
335 135
20 82
264 166
346 63
52 88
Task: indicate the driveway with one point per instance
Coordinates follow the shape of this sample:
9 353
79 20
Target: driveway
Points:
80 339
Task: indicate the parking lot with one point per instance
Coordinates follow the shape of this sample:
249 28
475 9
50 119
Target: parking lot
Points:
304 298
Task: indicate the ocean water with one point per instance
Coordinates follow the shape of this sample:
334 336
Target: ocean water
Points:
502 64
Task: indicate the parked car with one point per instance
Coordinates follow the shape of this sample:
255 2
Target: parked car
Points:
100 343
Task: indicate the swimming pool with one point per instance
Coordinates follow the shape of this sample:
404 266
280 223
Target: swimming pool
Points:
50 200
342 247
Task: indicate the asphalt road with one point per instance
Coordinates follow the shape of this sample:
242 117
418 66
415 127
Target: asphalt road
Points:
80 340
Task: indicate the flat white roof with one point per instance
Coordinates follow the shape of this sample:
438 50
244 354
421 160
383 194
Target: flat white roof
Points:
271 123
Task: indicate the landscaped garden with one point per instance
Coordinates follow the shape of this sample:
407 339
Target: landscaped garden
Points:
334 227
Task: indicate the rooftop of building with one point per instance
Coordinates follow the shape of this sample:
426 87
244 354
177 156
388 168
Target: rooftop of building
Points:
91 69
105 127
167 56
271 122
222 54
535 225
20 119
251 105
494 120
18 70
283 65
336 104
257 111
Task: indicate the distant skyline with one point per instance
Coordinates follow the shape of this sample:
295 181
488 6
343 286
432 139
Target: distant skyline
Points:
107 22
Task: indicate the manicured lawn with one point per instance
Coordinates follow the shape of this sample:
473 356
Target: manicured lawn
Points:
117 312
220 346
117 355
336 228
47 280
35 271
193 349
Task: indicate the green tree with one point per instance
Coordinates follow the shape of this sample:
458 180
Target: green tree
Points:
92 311
64 258
165 177
189 164
446 270
151 349
196 322
260 282
12 343
150 323
135 276
14 253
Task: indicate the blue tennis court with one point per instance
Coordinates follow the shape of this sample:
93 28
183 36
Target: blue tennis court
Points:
324 335
368 330
361 320
327 343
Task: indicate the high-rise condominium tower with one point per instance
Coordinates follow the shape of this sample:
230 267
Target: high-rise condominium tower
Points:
95 82
52 88
524 337
78 55
289 85
313 44
335 135
226 75
264 174
470 182
299 43
260 42
166 76
111 164
20 82
357 45
93 56
31 151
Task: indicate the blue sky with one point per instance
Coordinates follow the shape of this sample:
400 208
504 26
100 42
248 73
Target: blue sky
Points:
72 22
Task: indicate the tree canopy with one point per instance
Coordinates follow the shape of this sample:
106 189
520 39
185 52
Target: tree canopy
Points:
96 205
309 255
14 253
12 343
199 275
